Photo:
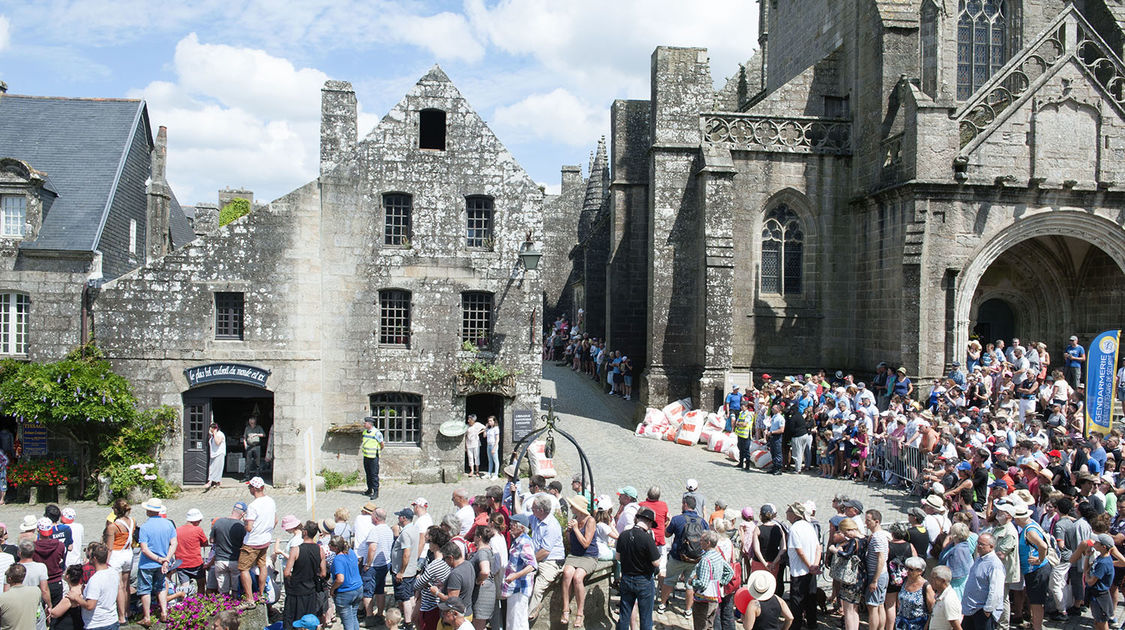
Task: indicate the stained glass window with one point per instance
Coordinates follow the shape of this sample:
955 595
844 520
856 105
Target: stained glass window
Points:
982 43
783 245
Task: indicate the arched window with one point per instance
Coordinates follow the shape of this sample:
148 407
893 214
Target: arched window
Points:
982 42
783 245
928 33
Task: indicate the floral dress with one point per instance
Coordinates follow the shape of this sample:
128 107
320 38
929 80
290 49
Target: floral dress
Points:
912 613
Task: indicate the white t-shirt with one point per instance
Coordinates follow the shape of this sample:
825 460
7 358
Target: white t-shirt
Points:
466 515
423 523
361 528
36 573
935 524
6 560
102 587
947 608
263 512
802 535
628 515
77 533
472 435
492 437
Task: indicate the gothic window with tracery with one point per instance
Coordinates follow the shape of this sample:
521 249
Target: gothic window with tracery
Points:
783 245
982 38
928 33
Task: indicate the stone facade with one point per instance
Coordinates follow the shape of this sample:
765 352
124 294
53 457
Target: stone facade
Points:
843 199
316 269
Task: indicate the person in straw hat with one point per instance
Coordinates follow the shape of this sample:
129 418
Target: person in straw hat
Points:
158 546
582 559
766 611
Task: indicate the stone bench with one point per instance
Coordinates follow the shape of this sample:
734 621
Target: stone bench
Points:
598 613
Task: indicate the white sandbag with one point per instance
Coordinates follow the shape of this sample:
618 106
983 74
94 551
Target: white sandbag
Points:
716 420
540 463
675 411
761 460
713 440
689 433
654 416
706 433
725 441
695 416
732 453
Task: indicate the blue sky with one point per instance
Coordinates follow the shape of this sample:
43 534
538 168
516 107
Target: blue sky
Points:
237 82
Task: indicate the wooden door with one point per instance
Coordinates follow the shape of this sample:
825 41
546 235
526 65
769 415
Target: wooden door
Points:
197 418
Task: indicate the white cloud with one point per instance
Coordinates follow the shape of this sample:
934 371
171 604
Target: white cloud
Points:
236 117
5 33
445 35
557 116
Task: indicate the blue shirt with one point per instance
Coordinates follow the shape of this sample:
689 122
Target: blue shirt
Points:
347 564
1100 455
676 529
158 533
1072 353
1103 571
548 535
984 590
734 402
901 387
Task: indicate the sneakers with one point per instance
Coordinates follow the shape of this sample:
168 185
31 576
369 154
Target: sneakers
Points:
687 613
662 608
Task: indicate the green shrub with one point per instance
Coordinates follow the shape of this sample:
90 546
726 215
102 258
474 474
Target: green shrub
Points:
333 480
237 207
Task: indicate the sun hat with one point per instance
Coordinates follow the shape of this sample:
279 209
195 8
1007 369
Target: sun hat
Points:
798 509
368 507
810 508
1021 510
917 513
289 522
934 501
153 505
68 516
578 504
761 584
604 502
327 526
647 514
28 523
747 513
1006 507
456 604
1023 494
194 515
256 482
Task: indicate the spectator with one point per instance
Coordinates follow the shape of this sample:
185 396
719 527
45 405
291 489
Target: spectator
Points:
19 604
947 605
765 605
404 561
686 530
376 559
226 539
983 603
158 546
518 582
708 577
638 557
546 535
190 540
260 519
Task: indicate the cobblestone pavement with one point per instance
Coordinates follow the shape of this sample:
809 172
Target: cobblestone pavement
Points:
603 425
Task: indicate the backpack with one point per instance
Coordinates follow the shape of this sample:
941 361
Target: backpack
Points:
691 543
896 570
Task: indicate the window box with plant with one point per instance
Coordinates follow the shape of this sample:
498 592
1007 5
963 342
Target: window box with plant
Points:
484 375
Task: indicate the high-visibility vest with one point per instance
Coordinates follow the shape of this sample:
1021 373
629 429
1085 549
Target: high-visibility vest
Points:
743 424
372 443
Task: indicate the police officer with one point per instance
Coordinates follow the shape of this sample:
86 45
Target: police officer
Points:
370 446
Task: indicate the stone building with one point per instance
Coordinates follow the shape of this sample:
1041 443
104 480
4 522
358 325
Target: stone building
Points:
83 199
882 180
365 292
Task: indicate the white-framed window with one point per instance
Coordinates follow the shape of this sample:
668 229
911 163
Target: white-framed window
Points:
13 215
14 308
133 236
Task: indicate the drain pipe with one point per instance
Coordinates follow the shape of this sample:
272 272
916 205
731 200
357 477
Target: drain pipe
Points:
93 283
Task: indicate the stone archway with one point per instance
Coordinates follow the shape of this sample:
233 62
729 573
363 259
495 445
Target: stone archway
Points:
1046 265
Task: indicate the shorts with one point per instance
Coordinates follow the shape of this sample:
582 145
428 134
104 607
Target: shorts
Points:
586 563
1037 582
150 580
192 573
1101 606
1118 576
250 556
629 381
375 580
879 595
223 577
474 455
676 569
404 590
121 560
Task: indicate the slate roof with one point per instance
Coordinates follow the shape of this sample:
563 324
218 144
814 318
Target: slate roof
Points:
182 233
81 145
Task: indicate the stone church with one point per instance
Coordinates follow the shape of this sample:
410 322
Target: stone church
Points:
391 286
881 181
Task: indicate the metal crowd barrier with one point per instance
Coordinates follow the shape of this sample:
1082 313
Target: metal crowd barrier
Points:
897 464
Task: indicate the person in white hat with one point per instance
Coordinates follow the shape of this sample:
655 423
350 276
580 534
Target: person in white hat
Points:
936 521
190 540
157 537
260 519
77 535
692 489
765 603
1007 547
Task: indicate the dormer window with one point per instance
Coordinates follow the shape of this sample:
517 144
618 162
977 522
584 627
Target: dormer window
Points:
13 215
431 129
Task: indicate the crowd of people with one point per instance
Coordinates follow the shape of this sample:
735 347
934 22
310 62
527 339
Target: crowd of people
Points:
612 369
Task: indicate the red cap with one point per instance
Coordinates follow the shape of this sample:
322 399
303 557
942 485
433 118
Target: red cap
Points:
1054 453
765 377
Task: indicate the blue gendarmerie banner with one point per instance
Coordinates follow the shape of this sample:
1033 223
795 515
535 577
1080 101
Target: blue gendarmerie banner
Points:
1101 362
226 373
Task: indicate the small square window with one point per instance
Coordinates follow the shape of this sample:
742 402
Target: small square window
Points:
394 318
397 210
229 315
478 211
13 209
476 318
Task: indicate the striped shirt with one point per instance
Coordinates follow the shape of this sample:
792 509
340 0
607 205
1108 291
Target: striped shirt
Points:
435 574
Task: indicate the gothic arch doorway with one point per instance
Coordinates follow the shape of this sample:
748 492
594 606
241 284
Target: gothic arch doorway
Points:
1059 273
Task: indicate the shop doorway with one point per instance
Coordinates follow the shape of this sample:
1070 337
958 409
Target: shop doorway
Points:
485 405
230 406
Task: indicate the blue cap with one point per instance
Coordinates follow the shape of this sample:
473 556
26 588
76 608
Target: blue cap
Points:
999 483
308 621
964 466
522 519
240 506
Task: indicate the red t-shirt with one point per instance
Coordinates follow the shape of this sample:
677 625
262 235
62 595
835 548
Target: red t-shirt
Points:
189 542
659 508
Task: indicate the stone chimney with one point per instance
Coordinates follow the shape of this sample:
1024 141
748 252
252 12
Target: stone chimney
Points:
158 238
206 218
337 126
